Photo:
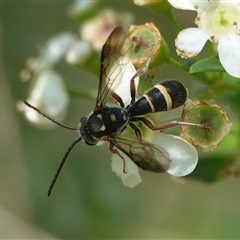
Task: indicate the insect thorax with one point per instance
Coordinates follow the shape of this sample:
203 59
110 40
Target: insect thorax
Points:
109 121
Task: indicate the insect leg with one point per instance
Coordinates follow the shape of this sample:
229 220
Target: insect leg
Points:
165 126
139 136
115 151
137 131
118 99
180 123
139 73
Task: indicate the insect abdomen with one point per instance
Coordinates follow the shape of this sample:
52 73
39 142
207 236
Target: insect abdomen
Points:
164 96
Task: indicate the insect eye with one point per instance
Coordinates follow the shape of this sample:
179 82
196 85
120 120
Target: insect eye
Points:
83 119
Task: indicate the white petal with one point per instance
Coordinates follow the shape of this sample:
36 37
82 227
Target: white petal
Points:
50 96
184 156
190 42
233 1
78 8
141 2
229 54
188 4
78 52
120 75
54 50
131 178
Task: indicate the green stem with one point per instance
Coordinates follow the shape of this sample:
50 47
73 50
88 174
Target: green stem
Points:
177 64
171 18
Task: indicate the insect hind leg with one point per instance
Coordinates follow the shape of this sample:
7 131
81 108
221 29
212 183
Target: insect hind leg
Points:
137 131
139 137
167 125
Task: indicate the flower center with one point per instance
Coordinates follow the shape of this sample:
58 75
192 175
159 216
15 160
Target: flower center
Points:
219 19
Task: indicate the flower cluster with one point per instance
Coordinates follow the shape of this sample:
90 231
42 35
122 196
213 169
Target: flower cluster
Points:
217 21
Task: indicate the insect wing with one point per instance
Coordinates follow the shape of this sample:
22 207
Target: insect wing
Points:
121 85
145 154
113 64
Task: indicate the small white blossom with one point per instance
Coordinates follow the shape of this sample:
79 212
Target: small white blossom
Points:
49 95
79 8
53 51
96 30
142 2
217 21
78 52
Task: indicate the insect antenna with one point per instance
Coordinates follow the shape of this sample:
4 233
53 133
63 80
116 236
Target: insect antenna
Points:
62 164
50 118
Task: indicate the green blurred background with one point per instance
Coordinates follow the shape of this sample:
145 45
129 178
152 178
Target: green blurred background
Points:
89 201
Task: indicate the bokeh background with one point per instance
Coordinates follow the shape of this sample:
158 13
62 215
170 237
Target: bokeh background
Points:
89 201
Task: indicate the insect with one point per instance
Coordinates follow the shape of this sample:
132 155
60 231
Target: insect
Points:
107 123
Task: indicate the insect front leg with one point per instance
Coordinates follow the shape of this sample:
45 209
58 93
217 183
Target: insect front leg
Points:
117 98
115 151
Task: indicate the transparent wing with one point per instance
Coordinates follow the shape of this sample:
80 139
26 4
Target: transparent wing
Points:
114 61
146 155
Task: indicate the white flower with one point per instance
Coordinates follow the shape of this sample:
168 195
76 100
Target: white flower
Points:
182 155
142 2
53 51
49 95
219 22
78 52
96 30
79 8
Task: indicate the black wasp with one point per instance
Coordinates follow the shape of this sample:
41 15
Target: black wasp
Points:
107 123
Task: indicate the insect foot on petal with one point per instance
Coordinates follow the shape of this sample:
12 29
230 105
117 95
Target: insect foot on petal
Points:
131 177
